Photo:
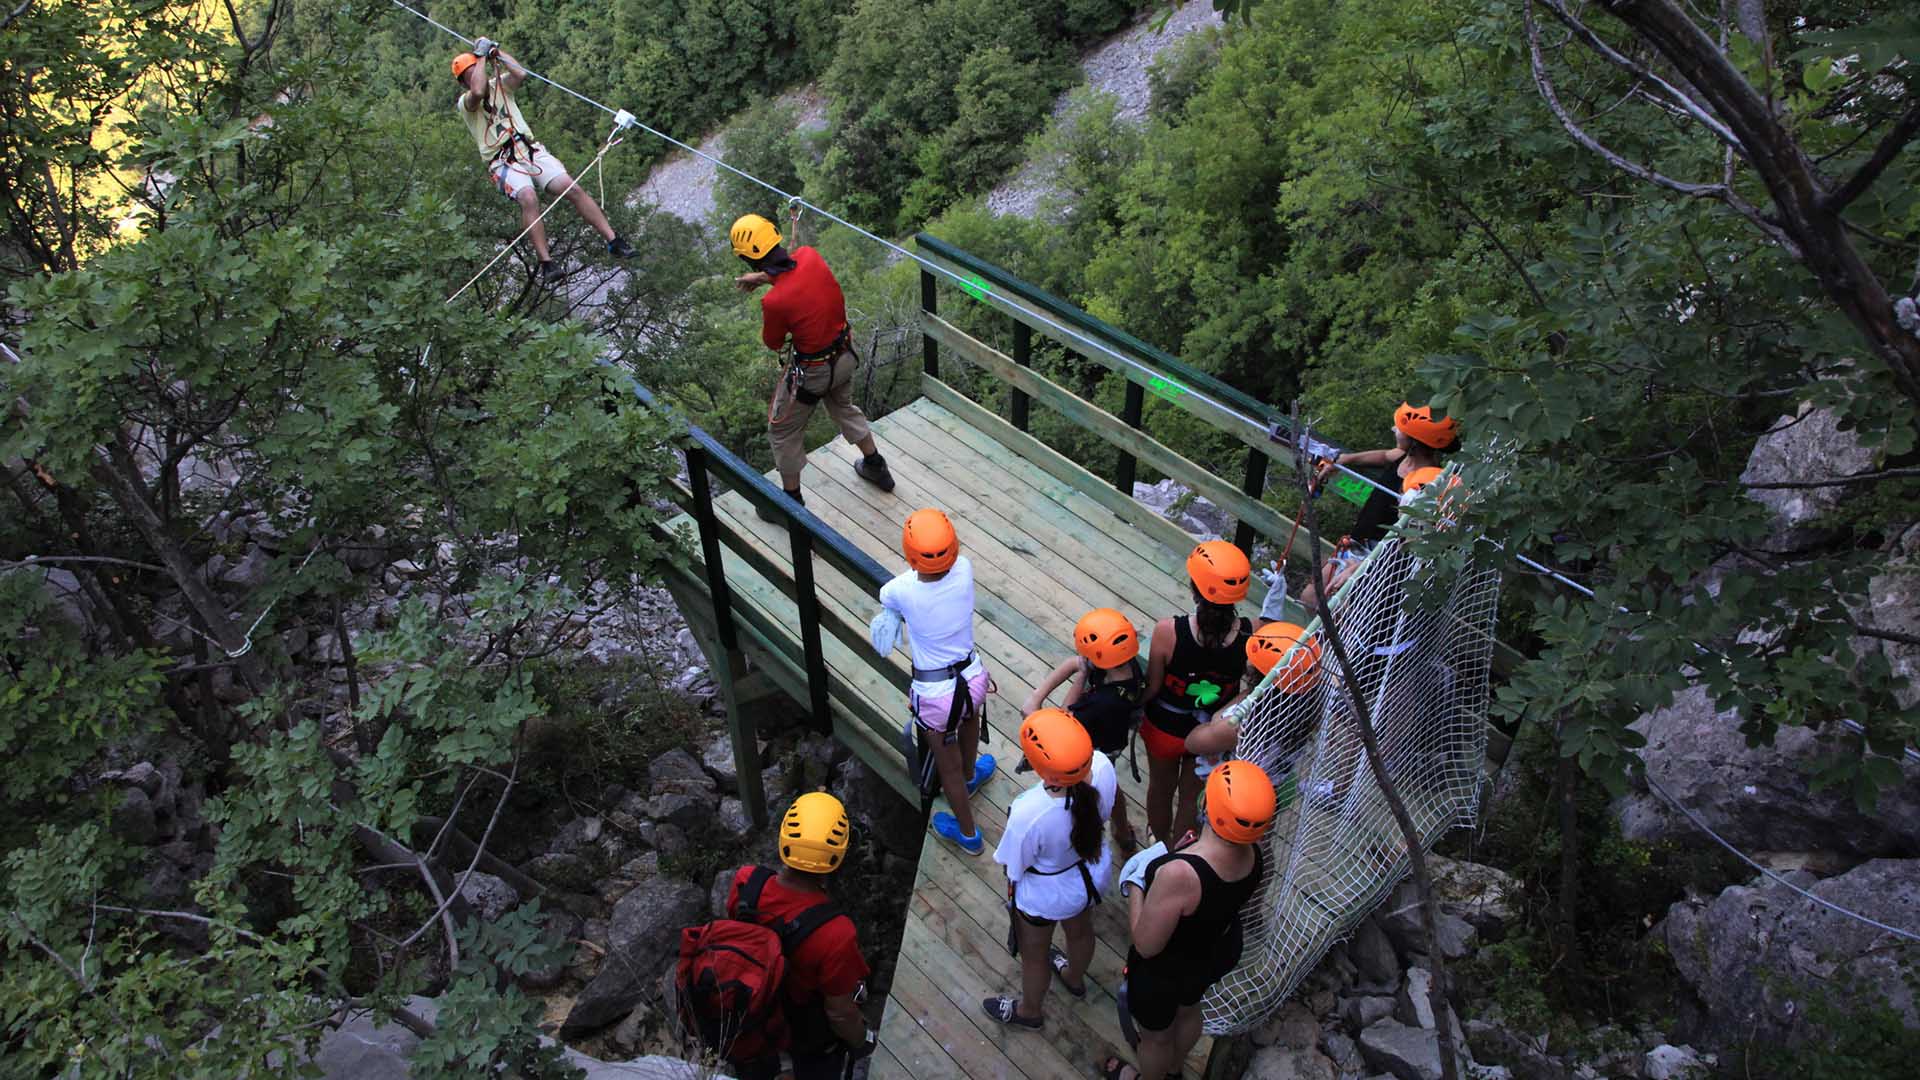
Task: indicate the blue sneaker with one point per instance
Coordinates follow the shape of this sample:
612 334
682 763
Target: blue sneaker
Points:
982 772
947 826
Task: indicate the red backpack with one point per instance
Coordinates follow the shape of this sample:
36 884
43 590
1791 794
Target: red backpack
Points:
727 981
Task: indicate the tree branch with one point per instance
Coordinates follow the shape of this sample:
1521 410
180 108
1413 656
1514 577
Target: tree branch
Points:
1856 478
1895 140
15 13
186 916
1676 97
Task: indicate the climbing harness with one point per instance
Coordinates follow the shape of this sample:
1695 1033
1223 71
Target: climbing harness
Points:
613 139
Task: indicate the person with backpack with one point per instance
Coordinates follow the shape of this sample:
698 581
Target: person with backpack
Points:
1184 913
1056 860
947 702
804 306
520 167
1194 667
1419 442
1108 685
783 969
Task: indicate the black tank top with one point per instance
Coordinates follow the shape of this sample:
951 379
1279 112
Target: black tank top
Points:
1108 706
1191 665
1381 509
1206 944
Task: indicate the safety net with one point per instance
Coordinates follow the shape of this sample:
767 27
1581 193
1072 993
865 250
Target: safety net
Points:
1421 648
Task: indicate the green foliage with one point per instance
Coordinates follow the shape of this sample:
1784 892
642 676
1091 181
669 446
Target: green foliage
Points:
767 142
481 1029
1853 1035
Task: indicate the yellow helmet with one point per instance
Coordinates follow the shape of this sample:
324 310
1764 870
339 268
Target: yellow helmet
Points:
753 236
813 835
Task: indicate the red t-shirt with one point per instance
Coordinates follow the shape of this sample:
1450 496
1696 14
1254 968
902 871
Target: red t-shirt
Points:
806 302
828 963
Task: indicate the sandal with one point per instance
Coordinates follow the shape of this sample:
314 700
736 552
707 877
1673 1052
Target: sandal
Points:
1059 961
1115 1069
1007 1010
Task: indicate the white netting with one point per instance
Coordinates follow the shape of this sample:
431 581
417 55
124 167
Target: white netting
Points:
1336 852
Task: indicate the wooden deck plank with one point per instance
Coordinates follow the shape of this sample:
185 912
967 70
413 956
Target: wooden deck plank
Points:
917 1053
918 991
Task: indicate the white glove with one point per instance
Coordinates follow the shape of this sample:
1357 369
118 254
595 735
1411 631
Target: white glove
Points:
1204 764
484 47
884 631
1274 607
1134 873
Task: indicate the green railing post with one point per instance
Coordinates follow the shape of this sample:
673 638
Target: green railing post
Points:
1022 355
1123 472
929 303
1255 484
743 731
808 600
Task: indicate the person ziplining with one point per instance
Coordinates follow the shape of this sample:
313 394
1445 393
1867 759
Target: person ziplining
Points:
519 166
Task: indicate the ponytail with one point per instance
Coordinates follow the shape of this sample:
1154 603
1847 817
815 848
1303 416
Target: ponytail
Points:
1214 623
1083 802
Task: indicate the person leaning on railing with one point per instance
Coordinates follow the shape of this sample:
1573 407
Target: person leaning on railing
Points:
1419 442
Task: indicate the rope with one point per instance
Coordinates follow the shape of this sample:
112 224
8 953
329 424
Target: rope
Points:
1655 787
613 140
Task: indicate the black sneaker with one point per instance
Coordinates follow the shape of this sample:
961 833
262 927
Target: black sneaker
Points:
550 273
619 248
873 469
775 517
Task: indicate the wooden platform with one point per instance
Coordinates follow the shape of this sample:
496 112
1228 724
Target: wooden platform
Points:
1044 552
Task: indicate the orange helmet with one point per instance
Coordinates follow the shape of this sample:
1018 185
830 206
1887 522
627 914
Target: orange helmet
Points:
1105 638
462 62
929 542
1272 642
1240 802
1057 747
1220 572
1419 478
1417 423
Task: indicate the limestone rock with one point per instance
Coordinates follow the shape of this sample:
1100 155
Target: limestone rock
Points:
1177 503
679 772
136 819
1497 1045
562 870
1408 1053
1293 1027
1290 1063
1405 925
1808 446
877 808
1413 1004
643 935
251 572
688 813
1755 955
1481 895
1363 1011
1758 798
490 896
717 895
1666 1062
1374 956
733 820
718 760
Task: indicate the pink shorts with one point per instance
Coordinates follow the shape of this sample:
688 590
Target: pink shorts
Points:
934 712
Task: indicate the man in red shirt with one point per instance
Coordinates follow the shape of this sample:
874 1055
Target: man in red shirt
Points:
805 303
826 977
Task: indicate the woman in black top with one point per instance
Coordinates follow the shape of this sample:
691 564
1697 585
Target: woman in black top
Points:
1194 666
1418 443
1108 687
1186 921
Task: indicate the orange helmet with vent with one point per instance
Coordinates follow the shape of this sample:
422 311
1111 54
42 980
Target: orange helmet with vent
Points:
1106 638
1271 643
1240 802
929 542
1220 572
461 63
1416 422
1057 747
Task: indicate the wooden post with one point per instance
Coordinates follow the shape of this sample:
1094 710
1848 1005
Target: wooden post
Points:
929 303
1254 484
726 659
808 600
1123 473
1022 355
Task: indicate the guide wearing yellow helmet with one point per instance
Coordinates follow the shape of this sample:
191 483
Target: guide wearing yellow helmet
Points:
1108 684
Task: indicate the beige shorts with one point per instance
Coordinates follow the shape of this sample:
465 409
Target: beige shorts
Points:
534 169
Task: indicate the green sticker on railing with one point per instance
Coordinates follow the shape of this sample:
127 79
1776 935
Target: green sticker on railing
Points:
1165 388
1351 488
975 286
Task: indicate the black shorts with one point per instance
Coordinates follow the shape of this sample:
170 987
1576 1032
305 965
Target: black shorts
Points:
1154 1001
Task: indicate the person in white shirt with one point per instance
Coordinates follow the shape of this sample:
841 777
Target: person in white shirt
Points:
1058 861
934 599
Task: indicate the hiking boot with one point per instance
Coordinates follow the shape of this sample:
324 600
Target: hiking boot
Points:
947 827
619 248
873 469
550 273
982 772
767 515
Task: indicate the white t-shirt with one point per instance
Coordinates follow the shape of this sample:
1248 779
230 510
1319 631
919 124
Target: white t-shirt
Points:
1039 840
939 618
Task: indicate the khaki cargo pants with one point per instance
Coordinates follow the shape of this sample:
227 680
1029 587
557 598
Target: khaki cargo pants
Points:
826 383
